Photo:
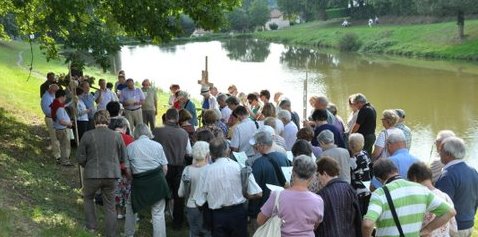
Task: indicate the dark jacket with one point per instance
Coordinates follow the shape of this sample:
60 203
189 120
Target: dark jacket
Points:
174 140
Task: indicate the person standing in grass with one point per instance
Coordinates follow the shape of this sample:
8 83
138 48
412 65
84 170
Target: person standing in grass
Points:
46 101
61 122
100 152
150 106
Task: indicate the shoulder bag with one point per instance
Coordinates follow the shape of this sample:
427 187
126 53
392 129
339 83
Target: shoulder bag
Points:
272 227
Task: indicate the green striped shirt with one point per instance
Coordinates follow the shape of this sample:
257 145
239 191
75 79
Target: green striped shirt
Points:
411 201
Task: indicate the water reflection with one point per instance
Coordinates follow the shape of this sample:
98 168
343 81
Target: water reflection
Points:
246 50
436 95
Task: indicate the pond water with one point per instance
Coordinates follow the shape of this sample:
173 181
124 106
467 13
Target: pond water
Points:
436 95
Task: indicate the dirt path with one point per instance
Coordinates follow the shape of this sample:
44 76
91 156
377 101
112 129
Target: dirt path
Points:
20 64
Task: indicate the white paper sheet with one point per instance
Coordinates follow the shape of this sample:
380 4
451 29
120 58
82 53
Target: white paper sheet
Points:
274 187
290 156
241 158
287 171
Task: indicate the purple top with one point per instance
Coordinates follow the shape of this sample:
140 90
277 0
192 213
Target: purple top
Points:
298 220
134 95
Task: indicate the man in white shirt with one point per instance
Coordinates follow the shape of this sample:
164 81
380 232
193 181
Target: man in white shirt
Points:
290 129
221 186
225 110
243 132
103 96
46 101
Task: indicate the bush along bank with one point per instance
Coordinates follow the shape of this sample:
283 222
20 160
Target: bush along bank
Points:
437 40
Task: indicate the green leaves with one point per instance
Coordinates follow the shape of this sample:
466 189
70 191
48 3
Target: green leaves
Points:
92 28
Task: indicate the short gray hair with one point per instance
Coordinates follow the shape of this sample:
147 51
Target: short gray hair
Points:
183 94
271 121
444 134
142 130
120 122
221 97
263 138
284 115
395 137
359 98
200 150
326 137
356 140
455 147
304 167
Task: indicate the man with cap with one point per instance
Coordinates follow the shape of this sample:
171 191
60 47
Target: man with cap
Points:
209 101
132 99
266 170
339 154
405 129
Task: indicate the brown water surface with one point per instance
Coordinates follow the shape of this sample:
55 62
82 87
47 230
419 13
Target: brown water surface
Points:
436 95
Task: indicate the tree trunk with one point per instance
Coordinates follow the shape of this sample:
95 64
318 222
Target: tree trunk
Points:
461 24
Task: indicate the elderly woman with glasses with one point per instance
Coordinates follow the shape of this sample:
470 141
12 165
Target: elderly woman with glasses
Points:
298 220
389 120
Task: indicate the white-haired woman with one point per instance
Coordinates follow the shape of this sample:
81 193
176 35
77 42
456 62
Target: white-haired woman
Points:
389 120
297 220
187 187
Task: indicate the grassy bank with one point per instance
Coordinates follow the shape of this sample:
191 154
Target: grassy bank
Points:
37 197
426 40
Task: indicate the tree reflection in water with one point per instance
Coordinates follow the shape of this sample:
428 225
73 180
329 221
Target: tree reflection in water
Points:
309 59
246 50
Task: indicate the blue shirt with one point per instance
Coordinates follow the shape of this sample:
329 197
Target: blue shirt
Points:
460 182
131 95
46 101
89 101
403 160
338 136
264 173
191 108
61 115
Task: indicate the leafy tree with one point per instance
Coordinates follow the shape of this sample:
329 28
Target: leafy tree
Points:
93 27
305 8
458 8
258 13
238 20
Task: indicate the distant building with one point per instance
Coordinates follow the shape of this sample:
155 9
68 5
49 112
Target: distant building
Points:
200 32
277 17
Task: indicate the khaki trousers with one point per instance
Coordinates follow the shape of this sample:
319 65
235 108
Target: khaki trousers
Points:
149 118
107 187
65 145
55 145
134 117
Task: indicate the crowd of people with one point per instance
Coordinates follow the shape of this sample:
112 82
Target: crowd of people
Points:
224 171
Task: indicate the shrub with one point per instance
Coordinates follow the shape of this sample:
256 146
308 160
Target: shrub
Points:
349 42
273 26
336 13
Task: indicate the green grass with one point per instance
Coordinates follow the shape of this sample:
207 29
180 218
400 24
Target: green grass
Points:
37 197
425 40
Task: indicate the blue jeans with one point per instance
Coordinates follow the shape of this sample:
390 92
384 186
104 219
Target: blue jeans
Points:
196 229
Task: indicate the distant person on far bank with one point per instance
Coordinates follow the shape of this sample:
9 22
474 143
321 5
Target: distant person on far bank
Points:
460 182
370 22
150 106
